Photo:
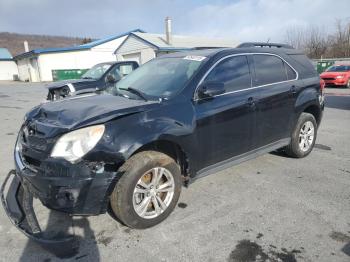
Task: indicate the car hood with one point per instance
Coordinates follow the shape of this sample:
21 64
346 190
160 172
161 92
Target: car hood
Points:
77 112
75 82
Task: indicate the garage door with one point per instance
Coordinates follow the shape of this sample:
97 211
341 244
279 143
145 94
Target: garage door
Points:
133 57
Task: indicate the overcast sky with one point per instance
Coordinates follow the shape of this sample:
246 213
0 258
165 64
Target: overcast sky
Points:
243 20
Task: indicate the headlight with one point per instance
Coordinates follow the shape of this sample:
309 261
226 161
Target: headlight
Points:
339 77
74 145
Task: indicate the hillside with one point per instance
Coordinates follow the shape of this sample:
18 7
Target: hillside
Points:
14 42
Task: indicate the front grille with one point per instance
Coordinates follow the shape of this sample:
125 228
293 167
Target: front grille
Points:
33 147
31 161
328 78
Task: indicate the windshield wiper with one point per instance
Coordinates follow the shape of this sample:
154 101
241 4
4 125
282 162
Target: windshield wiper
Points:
87 77
136 92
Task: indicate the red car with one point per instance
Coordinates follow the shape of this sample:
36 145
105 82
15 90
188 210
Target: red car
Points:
337 75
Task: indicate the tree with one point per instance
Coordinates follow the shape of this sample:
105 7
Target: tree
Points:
86 40
318 43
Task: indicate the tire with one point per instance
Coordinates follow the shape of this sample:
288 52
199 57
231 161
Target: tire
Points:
348 84
297 148
141 168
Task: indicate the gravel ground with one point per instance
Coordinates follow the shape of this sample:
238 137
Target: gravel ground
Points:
272 208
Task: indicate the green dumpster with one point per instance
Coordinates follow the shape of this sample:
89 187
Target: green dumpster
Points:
323 65
64 74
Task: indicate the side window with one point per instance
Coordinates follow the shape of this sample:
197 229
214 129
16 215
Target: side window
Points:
115 71
269 69
290 72
233 72
125 69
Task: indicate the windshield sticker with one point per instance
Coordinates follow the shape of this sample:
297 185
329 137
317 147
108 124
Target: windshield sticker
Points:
195 58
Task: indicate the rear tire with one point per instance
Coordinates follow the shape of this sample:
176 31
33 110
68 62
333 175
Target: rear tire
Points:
303 137
147 191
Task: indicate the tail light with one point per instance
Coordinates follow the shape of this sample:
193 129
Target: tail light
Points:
322 85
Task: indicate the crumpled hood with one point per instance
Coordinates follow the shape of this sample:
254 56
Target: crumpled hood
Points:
86 110
75 82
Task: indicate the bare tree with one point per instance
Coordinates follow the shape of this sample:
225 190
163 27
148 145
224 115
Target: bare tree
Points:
295 36
340 40
317 43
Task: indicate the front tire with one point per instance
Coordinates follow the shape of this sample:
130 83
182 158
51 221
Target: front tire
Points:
147 191
303 136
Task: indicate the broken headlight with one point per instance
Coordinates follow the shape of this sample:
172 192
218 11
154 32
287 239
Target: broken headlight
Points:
74 145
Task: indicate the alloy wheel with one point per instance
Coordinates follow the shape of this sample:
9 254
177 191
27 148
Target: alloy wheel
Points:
153 192
306 136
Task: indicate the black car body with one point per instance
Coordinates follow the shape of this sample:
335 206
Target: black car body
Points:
98 78
233 105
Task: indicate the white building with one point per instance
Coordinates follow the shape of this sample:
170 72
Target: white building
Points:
8 67
137 45
142 47
41 64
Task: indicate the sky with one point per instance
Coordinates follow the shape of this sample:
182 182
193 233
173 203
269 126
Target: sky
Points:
243 20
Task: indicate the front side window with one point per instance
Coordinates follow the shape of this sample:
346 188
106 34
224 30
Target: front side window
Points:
269 69
116 72
233 72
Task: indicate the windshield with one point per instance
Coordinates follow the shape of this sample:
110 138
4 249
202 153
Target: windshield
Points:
96 71
343 68
160 77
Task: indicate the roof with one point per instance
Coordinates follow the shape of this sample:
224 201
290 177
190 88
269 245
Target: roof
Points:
5 55
74 48
181 42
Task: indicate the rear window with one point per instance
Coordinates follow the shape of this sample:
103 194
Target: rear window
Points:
269 69
306 67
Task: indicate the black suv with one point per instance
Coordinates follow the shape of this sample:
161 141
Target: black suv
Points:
176 118
97 78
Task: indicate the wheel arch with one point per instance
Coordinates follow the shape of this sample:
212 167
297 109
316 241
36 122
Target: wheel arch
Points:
315 111
170 148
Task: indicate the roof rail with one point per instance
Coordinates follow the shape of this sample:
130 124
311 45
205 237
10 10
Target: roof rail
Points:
262 44
207 47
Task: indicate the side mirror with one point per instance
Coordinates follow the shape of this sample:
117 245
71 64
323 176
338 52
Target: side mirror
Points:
112 78
211 88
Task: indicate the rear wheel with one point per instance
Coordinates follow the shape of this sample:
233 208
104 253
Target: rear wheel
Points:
148 190
303 136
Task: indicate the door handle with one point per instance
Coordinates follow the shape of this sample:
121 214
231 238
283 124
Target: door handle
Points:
250 102
293 89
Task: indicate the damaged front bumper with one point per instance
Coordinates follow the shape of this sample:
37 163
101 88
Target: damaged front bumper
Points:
18 204
72 189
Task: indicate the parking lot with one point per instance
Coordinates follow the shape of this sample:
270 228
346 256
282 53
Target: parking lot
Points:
273 208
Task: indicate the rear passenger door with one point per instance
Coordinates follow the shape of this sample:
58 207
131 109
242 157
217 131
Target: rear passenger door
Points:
275 81
224 123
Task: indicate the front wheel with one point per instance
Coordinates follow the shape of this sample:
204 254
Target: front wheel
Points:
148 189
303 136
